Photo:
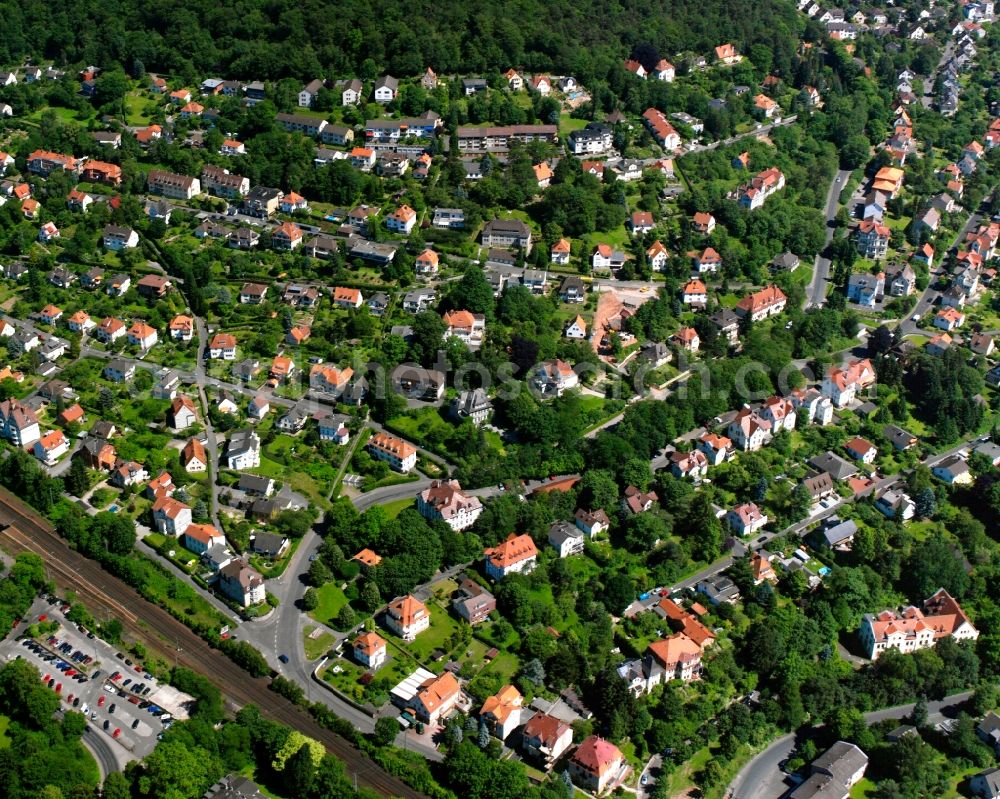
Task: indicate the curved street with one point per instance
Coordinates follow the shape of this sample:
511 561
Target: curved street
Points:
104 754
762 778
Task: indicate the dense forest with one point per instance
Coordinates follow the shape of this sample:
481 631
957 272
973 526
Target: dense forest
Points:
271 39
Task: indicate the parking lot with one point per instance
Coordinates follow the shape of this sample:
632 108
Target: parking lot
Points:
120 701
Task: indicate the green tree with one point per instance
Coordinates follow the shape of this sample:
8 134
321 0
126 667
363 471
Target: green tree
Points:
310 599
116 786
76 481
386 730
174 770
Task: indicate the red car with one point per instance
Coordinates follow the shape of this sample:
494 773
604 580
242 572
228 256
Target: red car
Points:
100 701
117 732
70 672
58 687
43 617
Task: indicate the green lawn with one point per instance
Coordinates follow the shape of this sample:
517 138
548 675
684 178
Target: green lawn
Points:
435 638
393 509
331 600
4 724
568 124
316 647
155 540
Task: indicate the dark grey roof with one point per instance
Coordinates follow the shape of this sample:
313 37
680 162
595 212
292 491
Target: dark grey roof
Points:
561 531
234 786
897 436
839 533
268 543
991 777
251 482
838 468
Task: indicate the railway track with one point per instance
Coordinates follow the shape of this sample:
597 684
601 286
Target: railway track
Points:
101 591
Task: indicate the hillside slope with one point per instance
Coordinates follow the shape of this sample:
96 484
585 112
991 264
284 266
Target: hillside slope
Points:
271 39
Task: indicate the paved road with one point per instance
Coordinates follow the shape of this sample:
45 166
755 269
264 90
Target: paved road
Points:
763 130
816 295
211 442
761 778
104 754
930 296
927 100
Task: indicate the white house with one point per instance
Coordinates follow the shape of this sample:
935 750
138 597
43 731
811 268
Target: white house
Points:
170 516
746 519
445 500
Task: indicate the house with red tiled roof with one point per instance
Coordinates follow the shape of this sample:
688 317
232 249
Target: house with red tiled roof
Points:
703 223
401 220
427 262
367 558
436 698
559 254
407 617
50 314
746 519
369 649
142 335
872 239
638 501
128 473
597 765
516 555
72 415
160 486
657 255
193 457
222 345
764 106
444 500
546 738
282 368
912 629
727 54
717 449
287 236
347 298
297 334
635 68
861 450
466 326
640 222
181 328
663 132
949 319
399 454
682 621
694 293
686 339
749 430
110 330
171 517
759 305
50 447
842 384
502 711
761 568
